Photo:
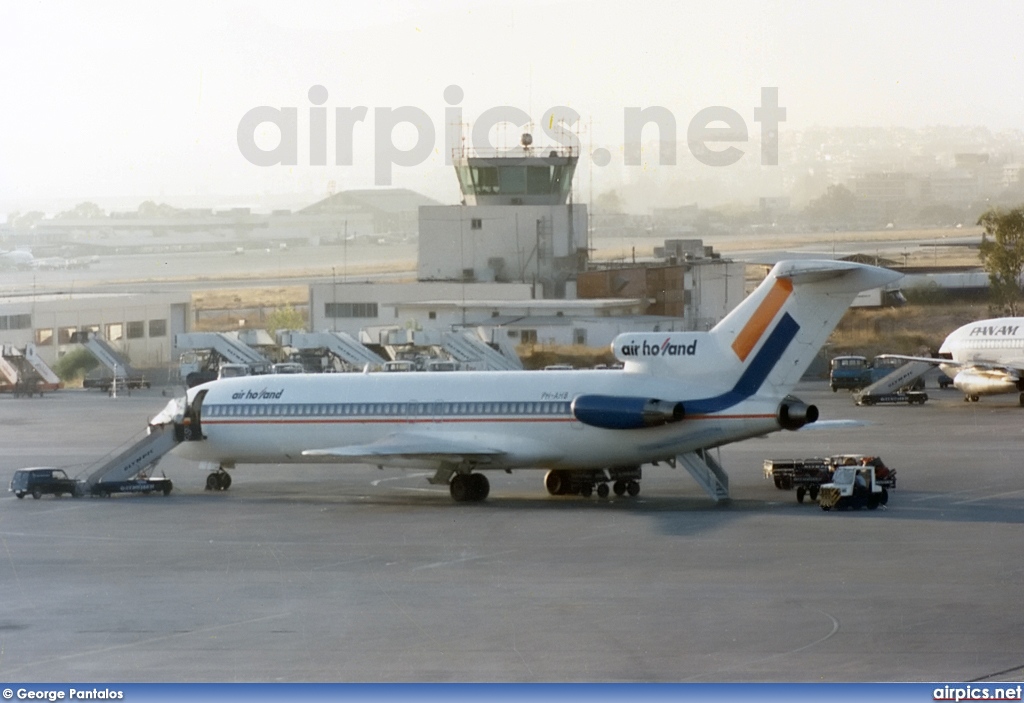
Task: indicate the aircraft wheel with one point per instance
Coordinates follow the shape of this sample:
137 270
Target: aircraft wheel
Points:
633 488
602 490
586 490
459 488
469 487
481 487
556 482
620 488
225 480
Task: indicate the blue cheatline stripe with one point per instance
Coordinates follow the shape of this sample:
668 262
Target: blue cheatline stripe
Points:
755 374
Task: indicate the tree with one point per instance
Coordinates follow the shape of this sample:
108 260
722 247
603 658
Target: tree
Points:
836 207
286 318
1003 254
82 211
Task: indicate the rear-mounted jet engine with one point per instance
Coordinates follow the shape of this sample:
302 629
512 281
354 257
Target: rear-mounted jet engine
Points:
612 412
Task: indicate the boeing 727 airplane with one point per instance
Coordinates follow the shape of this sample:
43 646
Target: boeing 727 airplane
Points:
678 395
985 357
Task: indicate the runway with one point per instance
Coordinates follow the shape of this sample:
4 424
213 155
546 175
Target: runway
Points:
342 573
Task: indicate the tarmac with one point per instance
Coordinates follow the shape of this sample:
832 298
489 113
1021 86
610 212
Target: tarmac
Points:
354 574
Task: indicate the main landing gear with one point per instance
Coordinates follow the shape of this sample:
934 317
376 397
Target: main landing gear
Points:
469 488
219 480
624 480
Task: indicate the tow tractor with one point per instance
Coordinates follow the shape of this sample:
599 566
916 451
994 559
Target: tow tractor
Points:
855 487
809 476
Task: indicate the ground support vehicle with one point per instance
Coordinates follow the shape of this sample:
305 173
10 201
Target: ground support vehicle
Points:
139 484
42 480
806 475
909 397
849 372
854 487
855 373
108 384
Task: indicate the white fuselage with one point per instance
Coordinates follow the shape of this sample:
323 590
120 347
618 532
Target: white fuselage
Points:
987 357
525 417
999 341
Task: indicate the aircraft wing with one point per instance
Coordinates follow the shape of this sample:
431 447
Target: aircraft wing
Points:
976 364
409 447
927 359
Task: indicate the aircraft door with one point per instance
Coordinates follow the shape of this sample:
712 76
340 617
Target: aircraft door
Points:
193 421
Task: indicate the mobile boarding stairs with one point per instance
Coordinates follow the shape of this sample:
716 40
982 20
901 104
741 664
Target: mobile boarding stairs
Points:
163 433
890 388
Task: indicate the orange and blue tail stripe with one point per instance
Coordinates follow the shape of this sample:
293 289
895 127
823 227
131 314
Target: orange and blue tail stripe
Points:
753 377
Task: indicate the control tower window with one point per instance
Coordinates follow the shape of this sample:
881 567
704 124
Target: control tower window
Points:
513 180
538 180
561 178
485 180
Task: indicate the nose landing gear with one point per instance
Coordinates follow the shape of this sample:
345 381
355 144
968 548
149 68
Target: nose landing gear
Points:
219 480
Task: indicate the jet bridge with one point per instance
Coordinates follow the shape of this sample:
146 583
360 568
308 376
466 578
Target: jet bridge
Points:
342 345
469 349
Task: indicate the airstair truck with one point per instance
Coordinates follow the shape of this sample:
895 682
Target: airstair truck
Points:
893 388
122 373
130 470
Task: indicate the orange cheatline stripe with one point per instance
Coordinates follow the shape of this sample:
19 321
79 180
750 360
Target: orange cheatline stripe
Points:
762 317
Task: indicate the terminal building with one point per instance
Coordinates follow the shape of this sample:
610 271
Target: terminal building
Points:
140 326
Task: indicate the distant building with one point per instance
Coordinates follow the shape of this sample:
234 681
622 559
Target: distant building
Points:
392 211
689 283
353 307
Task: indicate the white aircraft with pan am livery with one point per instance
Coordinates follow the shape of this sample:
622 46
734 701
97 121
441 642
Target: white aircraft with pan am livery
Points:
984 357
678 395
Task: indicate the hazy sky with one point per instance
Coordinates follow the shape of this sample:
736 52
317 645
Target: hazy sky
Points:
105 99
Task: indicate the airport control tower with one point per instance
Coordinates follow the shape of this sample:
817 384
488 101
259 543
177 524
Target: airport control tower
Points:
516 223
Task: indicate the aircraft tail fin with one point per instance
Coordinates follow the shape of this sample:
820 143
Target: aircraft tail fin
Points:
776 332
